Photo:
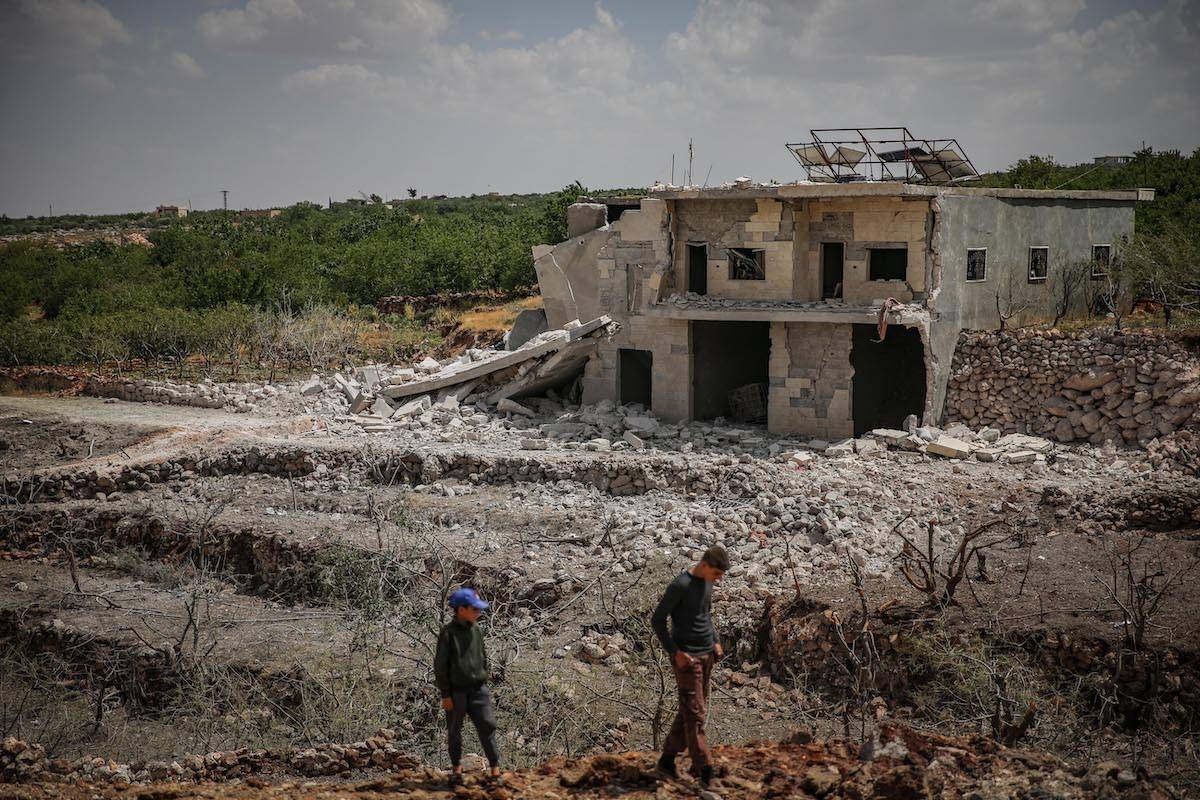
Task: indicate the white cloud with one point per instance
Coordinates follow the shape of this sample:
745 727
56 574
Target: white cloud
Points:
1007 78
331 76
186 65
500 36
67 30
320 28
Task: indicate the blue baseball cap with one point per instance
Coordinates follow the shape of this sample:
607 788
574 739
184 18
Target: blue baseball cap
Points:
467 597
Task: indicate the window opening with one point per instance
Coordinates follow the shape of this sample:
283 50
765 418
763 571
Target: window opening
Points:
747 265
1039 264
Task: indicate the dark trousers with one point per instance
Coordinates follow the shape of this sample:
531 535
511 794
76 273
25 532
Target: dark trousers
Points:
688 728
476 704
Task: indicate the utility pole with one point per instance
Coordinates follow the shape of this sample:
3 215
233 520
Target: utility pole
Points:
672 169
690 153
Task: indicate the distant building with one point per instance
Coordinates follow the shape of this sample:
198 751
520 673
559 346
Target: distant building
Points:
171 211
260 213
1111 161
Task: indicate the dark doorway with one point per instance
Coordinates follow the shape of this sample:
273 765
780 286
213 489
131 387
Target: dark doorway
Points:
698 268
727 356
833 260
635 376
889 377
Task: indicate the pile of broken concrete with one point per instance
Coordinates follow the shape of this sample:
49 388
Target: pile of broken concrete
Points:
383 397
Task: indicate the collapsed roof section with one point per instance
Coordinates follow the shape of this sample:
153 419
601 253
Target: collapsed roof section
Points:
549 359
845 155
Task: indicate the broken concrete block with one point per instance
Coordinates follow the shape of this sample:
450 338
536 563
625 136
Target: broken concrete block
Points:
413 408
890 436
1019 457
310 387
864 446
427 365
564 429
843 448
367 376
507 406
360 403
446 402
528 324
642 424
989 434
948 447
988 454
402 376
634 440
1023 441
910 423
535 444
382 408
819 445
928 433
800 458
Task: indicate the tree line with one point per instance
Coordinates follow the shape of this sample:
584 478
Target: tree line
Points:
212 273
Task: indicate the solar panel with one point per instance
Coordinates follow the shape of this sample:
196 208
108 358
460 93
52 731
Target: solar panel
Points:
811 155
846 156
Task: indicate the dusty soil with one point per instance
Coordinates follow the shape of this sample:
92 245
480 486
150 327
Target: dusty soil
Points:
282 555
901 764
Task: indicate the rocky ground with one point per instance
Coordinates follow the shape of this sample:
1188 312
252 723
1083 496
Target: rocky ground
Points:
898 763
178 579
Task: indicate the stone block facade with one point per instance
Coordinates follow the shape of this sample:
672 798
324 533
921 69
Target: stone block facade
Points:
861 224
811 380
626 268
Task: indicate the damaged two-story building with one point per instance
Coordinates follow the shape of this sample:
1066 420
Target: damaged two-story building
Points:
780 291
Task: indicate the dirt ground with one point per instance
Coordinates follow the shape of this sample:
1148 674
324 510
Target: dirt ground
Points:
268 579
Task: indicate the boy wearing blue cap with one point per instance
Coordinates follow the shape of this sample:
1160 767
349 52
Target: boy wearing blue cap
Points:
460 667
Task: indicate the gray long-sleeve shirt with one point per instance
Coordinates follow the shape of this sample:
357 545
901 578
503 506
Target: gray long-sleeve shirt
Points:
687 602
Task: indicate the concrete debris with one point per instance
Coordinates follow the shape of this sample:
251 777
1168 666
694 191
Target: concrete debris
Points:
560 355
506 406
311 387
949 447
412 408
529 323
635 441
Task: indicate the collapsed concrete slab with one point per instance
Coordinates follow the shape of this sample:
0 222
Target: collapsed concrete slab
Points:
549 359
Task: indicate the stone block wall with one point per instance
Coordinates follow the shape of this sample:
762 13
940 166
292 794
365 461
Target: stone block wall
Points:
1094 386
862 223
669 340
810 381
759 224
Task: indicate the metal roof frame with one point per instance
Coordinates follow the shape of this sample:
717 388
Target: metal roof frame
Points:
891 154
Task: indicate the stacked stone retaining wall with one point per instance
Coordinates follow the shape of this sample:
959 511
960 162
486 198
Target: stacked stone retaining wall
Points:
1091 386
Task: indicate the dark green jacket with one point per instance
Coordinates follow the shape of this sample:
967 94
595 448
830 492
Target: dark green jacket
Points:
461 659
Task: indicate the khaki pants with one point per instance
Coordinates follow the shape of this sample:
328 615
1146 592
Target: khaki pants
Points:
688 728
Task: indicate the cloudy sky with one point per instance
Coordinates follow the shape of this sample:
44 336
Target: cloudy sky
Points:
114 105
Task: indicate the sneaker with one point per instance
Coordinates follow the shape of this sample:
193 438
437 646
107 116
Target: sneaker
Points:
706 775
666 765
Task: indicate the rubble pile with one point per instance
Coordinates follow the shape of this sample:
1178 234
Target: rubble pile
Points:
1089 386
897 761
21 762
287 397
478 380
109 484
694 301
